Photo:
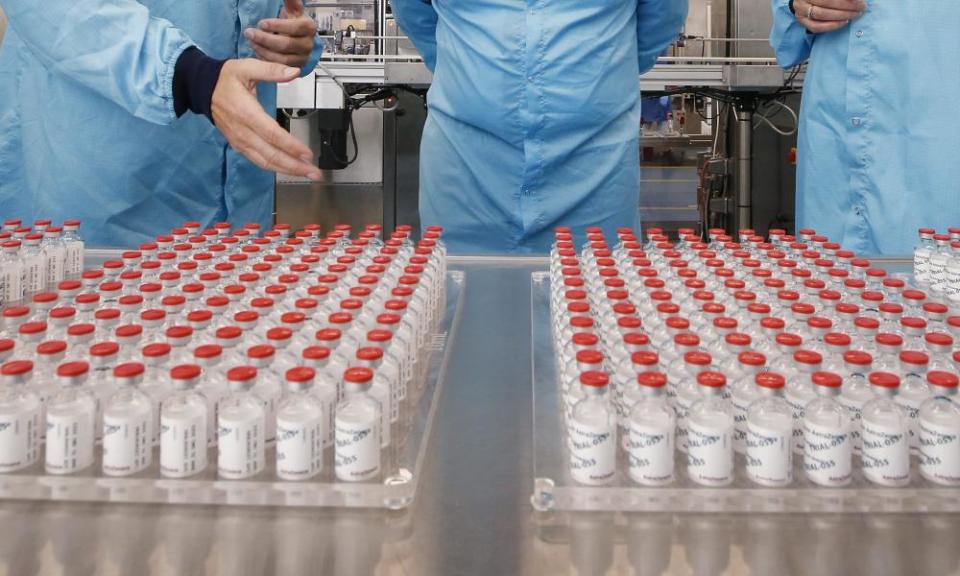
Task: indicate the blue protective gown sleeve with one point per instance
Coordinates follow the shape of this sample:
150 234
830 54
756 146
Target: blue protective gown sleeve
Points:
114 48
418 20
658 23
791 42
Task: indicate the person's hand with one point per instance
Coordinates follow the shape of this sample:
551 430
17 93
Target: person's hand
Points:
827 15
284 40
250 131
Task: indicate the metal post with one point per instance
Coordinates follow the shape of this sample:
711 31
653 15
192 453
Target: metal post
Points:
744 185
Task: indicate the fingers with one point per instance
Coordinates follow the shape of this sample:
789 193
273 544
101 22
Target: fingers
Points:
269 157
822 27
822 14
290 27
846 5
297 60
293 8
280 43
251 70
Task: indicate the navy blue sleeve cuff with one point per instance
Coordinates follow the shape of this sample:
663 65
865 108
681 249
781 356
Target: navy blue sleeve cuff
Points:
194 78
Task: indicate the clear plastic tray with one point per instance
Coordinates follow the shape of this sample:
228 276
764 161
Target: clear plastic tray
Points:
396 488
554 489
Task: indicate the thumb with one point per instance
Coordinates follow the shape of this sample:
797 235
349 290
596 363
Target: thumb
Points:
293 8
260 71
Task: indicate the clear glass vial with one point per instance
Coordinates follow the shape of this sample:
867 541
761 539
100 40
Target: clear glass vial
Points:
301 427
885 432
827 443
770 434
651 428
710 433
592 430
939 431
71 415
127 424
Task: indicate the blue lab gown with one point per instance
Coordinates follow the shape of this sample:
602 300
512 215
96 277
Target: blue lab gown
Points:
878 126
534 114
87 127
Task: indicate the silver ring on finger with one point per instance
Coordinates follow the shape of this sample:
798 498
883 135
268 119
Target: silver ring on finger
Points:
810 12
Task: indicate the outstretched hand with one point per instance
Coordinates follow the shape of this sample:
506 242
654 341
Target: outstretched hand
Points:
250 131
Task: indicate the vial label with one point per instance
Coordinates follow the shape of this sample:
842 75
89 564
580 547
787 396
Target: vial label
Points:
740 407
357 451
682 405
240 447
921 264
650 453
73 263
593 451
886 453
127 444
19 440
856 413
55 267
710 454
33 276
939 453
952 286
769 454
330 419
299 448
183 445
827 454
797 407
70 440
912 407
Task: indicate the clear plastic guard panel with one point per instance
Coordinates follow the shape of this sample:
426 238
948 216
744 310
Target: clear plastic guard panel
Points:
394 489
554 489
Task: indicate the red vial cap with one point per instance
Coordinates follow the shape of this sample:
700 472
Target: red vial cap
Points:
241 374
837 339
652 379
300 374
788 339
208 351
370 353
316 353
857 358
645 358
101 349
128 370
711 379
914 358
594 379
16 368
179 332
358 375
827 379
943 379
589 357
770 380
752 358
884 380
81 329
48 347
808 357
697 358
72 369
261 351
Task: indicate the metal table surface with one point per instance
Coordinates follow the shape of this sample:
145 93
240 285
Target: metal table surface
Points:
472 515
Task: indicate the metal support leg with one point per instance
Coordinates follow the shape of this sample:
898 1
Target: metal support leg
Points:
744 155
